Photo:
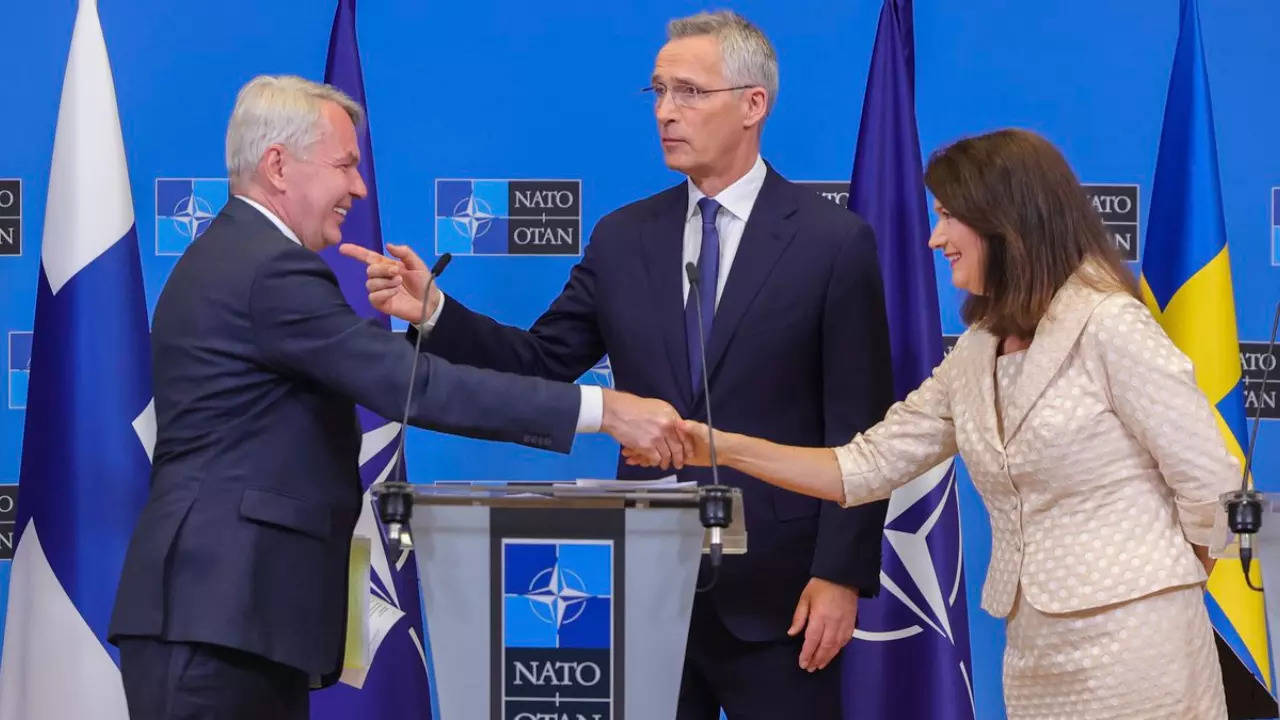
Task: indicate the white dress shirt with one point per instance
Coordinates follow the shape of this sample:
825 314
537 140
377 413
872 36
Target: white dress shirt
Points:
736 202
591 405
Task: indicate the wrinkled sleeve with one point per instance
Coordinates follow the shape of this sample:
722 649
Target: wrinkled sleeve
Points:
1153 389
915 435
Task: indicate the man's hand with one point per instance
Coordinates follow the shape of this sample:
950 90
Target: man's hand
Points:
395 286
648 429
826 612
693 436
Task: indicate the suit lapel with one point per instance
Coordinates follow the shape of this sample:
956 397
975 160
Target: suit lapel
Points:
768 231
979 372
662 245
1055 337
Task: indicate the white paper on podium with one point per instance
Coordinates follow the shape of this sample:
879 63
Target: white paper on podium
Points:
668 482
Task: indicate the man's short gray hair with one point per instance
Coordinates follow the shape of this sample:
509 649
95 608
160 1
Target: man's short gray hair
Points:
748 57
282 109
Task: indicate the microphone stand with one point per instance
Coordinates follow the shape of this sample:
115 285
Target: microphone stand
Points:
1244 508
395 501
715 501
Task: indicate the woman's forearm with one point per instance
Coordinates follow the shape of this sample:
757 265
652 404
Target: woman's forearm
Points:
809 471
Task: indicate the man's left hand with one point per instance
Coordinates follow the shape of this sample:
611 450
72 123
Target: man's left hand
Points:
826 613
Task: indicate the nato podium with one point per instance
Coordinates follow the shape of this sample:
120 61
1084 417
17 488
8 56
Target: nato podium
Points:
556 600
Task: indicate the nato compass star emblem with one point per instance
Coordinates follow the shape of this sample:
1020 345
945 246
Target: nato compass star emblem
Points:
473 216
191 215
923 606
925 580
557 596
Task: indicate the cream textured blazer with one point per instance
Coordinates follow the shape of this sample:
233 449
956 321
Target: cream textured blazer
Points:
1109 466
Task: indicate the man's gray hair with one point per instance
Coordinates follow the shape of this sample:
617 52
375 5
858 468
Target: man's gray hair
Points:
748 57
282 109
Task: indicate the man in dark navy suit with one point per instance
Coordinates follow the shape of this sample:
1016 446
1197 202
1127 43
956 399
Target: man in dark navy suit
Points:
232 602
796 348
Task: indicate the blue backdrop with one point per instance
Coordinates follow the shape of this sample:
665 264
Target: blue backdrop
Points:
508 90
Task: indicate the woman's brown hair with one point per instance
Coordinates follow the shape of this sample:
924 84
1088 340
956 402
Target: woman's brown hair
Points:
1019 195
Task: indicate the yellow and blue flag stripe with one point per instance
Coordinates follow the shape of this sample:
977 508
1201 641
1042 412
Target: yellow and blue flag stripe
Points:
1186 281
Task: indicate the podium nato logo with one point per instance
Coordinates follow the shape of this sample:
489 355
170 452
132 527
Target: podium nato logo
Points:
509 217
19 368
557 629
184 209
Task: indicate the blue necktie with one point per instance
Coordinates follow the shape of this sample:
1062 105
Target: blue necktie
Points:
708 272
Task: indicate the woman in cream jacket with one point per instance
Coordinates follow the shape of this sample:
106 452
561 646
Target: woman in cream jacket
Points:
1097 457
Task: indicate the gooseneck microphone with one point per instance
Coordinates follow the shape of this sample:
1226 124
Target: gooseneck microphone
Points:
715 501
395 502
1244 508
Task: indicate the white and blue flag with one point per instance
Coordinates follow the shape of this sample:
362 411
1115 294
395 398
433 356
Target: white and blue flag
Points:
90 422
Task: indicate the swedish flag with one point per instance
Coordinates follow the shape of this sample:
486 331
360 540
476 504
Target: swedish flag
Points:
1186 281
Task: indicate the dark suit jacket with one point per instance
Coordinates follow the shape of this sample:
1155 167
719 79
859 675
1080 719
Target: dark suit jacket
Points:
799 354
258 365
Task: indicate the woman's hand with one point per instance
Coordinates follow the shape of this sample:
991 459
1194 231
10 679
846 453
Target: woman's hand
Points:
1202 553
694 435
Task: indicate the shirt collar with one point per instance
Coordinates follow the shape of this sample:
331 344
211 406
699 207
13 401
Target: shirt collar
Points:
739 197
284 229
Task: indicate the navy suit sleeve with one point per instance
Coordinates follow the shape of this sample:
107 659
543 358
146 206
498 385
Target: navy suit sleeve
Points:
306 329
857 391
562 345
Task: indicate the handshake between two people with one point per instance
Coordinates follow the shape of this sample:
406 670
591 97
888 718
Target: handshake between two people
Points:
651 432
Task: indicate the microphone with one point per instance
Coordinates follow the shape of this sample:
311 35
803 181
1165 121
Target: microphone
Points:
715 501
395 502
1244 508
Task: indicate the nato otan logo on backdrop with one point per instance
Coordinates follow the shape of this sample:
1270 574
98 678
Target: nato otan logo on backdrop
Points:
508 217
8 517
19 368
1118 205
557 628
835 191
1257 364
600 374
1275 227
184 209
10 217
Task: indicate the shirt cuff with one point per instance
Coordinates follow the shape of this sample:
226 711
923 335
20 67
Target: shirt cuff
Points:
591 409
425 328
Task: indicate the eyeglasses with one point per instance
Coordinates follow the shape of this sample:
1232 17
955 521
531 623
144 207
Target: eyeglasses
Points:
685 95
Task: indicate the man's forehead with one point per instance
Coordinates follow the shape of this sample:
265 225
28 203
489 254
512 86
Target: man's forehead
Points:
699 54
